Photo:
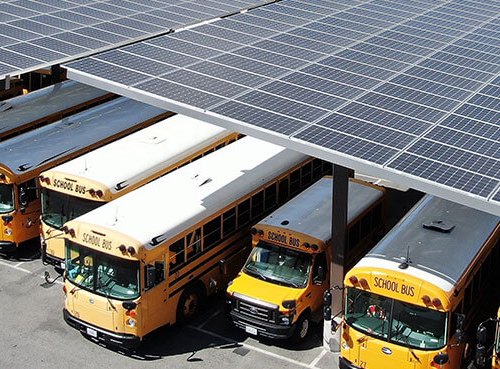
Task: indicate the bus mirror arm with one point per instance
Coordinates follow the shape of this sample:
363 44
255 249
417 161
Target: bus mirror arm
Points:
459 331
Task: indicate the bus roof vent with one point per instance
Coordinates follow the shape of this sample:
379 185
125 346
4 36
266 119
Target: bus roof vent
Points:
202 180
439 225
153 140
5 106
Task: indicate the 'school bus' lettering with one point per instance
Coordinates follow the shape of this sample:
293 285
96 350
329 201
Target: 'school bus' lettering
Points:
187 246
394 286
419 303
68 192
24 157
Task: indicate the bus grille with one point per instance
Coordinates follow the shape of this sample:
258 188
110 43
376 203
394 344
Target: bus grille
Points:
255 311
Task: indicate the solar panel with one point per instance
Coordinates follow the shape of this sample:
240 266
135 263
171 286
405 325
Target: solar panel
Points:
52 31
407 90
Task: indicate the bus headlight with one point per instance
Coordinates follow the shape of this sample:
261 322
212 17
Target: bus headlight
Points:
130 322
285 320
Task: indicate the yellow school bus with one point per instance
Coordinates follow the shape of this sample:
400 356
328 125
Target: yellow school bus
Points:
47 105
24 157
413 300
279 290
148 258
99 176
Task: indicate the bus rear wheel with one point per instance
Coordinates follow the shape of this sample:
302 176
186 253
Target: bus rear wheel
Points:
189 304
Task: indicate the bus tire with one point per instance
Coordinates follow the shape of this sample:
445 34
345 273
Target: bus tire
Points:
302 328
189 304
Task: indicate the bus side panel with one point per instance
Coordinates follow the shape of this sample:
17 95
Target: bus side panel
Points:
25 225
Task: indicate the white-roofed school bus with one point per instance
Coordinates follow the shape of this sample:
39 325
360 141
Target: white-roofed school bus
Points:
413 300
99 176
24 157
148 258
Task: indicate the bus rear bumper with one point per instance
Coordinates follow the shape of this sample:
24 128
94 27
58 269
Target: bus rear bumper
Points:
7 247
346 364
126 341
263 329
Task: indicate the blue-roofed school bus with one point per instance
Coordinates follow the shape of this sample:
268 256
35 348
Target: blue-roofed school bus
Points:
413 300
279 291
24 157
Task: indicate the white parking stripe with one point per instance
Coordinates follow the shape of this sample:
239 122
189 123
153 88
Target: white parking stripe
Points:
210 318
284 358
318 358
16 267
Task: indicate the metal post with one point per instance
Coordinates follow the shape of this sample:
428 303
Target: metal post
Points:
7 81
339 242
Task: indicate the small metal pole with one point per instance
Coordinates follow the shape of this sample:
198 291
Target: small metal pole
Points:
7 81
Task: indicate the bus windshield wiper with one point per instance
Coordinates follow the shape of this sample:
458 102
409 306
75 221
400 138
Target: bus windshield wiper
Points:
102 286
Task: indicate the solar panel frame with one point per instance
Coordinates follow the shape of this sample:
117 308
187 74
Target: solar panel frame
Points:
409 93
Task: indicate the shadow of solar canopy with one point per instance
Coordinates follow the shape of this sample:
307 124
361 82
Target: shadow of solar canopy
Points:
38 34
405 90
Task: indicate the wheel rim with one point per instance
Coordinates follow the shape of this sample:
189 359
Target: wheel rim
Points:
190 305
304 328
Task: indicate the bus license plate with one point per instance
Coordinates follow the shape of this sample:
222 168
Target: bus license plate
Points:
92 332
251 330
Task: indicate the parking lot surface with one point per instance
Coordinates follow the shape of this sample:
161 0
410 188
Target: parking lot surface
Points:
34 334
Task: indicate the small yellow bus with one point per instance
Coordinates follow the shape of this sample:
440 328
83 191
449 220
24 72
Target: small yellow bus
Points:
47 105
24 157
149 258
279 290
412 301
99 176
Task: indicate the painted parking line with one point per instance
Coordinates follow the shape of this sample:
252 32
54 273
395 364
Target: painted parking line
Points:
17 267
254 348
317 359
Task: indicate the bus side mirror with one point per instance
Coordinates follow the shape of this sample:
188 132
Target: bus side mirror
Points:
320 276
327 303
23 198
459 328
441 359
150 276
481 334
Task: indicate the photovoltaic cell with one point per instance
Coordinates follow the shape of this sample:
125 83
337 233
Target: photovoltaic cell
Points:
408 87
261 118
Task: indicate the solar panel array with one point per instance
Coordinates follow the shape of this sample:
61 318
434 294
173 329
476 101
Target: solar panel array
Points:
40 33
407 90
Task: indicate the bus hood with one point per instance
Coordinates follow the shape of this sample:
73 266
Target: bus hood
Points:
267 291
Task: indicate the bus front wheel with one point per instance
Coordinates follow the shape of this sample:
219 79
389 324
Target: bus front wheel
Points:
189 304
302 328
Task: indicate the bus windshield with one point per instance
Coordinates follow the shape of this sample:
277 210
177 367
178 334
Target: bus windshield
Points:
100 273
6 198
58 208
396 321
279 265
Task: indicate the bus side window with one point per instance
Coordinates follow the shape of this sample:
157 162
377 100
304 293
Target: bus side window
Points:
295 182
211 233
306 174
243 213
228 222
283 190
257 204
270 197
176 255
155 273
193 244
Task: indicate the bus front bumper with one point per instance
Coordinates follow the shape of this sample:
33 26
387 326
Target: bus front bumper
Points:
51 260
346 364
6 246
126 341
260 328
